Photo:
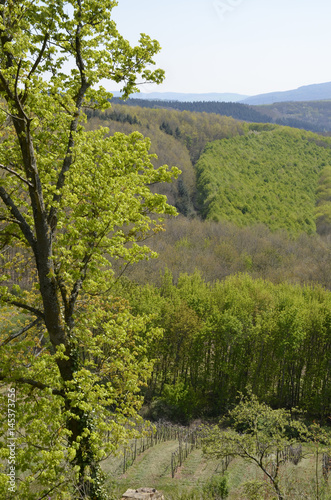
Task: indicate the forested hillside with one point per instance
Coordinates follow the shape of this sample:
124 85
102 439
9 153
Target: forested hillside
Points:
221 249
191 129
254 173
313 115
234 293
267 176
234 109
178 138
286 170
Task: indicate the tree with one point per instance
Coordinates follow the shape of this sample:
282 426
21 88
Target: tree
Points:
72 201
259 435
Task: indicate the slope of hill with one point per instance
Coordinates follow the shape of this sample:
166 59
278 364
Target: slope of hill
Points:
267 176
269 173
315 92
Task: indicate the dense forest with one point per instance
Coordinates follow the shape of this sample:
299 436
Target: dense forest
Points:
256 173
223 337
178 138
220 249
285 169
240 287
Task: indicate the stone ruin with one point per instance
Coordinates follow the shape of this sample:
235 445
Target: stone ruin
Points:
142 494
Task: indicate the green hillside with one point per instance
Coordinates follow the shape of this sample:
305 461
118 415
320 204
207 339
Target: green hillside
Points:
270 175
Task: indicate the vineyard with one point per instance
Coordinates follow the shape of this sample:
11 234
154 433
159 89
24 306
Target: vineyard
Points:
187 440
170 459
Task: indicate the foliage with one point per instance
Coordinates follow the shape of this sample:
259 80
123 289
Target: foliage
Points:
267 176
220 249
72 200
177 403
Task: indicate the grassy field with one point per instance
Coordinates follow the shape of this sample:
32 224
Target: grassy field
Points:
152 469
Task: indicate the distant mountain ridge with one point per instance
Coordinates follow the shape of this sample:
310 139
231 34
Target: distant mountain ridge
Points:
186 97
315 92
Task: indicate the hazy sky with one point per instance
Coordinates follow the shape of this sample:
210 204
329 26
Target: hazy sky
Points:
243 46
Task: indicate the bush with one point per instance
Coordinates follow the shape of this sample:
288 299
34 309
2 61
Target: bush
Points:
216 488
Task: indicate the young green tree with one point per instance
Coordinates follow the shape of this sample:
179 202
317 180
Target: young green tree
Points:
71 201
259 435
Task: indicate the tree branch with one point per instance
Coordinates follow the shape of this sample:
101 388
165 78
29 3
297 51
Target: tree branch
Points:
248 455
51 490
16 174
40 55
17 78
21 305
36 64
18 216
20 332
33 383
67 162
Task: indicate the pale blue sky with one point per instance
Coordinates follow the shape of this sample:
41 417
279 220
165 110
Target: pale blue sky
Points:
243 46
